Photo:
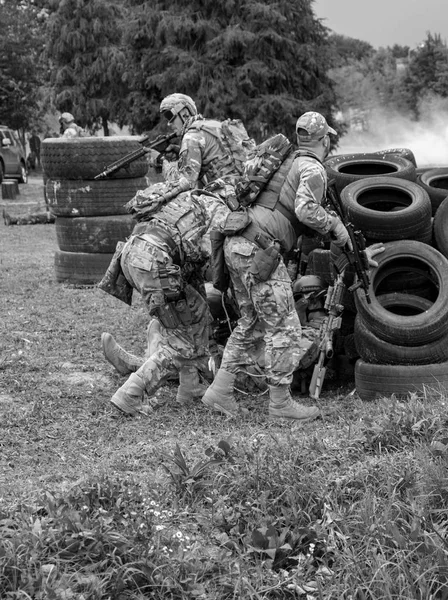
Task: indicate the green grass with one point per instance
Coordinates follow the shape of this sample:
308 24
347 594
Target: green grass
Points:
186 503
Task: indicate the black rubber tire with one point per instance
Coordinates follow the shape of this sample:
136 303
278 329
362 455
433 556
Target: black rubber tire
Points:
347 168
88 198
80 268
376 351
1 172
404 330
381 381
403 152
83 158
435 183
93 234
441 228
387 209
23 173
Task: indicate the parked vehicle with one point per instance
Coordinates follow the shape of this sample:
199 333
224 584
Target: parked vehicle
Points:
12 156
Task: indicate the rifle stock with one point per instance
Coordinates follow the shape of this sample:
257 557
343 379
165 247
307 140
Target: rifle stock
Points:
160 144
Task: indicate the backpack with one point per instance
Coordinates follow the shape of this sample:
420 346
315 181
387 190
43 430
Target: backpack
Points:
234 138
266 159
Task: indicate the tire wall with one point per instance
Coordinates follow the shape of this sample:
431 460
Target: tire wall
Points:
402 335
90 215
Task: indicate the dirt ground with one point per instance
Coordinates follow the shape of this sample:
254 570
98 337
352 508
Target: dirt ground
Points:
56 422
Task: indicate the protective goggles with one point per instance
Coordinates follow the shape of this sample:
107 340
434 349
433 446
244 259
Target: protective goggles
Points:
169 115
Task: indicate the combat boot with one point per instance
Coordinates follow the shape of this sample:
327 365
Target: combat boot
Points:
129 398
282 406
220 394
189 387
123 361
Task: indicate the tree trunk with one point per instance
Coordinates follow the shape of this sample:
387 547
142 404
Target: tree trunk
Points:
105 126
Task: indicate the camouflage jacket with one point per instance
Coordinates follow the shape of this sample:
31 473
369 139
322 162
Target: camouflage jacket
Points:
188 218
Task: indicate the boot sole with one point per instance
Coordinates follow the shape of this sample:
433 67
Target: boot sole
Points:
301 420
132 412
218 407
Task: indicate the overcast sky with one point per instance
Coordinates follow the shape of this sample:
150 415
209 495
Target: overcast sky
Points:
385 22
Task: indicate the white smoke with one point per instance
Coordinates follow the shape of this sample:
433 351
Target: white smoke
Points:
427 138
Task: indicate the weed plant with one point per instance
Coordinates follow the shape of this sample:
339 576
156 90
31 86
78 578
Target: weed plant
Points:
186 504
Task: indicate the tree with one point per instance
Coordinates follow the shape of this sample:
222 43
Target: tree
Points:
84 50
21 71
346 50
427 72
263 61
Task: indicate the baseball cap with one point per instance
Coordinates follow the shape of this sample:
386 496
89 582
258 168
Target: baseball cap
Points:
315 125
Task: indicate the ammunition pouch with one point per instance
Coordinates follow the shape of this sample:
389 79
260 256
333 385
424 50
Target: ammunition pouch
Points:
236 223
220 273
114 282
264 262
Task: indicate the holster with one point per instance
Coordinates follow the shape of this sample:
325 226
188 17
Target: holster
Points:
220 273
114 282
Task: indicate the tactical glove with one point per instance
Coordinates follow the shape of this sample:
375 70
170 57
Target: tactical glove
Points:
339 233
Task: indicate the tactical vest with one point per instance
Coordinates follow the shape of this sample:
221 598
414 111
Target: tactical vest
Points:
275 197
184 216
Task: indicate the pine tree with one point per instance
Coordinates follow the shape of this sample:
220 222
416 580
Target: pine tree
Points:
84 50
263 61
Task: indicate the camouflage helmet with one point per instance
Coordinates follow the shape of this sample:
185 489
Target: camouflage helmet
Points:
308 284
174 103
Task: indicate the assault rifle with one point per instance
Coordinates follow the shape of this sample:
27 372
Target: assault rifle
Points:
332 322
356 255
160 144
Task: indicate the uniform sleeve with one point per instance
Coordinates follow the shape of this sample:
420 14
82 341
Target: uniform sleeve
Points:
190 156
309 198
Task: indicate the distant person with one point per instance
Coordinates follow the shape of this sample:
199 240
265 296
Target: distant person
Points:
69 129
34 157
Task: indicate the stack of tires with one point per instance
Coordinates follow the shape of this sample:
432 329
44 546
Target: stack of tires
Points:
90 215
401 335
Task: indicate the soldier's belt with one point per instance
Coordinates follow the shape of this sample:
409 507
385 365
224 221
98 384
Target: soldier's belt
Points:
257 236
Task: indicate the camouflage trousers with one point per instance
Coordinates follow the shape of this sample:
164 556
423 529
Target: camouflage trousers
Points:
183 311
268 319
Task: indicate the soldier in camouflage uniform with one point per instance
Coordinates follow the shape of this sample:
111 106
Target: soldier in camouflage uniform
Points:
166 253
277 219
204 156
205 161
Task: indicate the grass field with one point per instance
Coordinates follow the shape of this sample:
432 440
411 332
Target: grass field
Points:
186 503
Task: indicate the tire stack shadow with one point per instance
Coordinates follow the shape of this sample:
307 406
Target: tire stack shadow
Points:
90 214
401 336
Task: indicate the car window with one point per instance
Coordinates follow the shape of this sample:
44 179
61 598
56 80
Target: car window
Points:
7 134
14 138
